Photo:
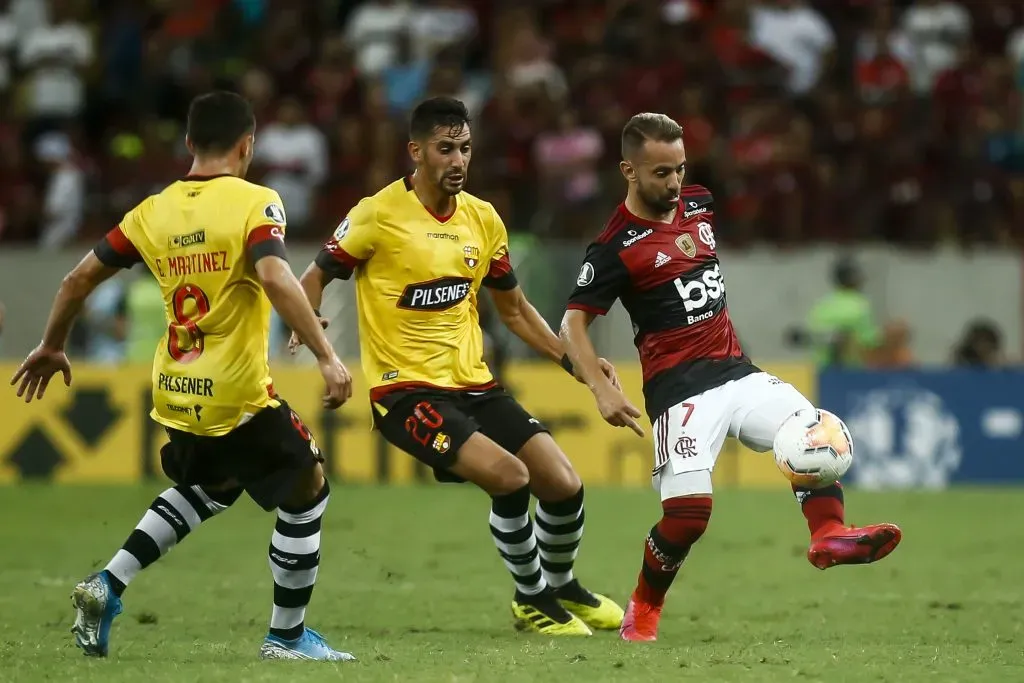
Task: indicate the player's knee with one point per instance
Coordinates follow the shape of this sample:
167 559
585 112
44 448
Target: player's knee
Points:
569 482
510 475
309 485
685 519
556 483
552 476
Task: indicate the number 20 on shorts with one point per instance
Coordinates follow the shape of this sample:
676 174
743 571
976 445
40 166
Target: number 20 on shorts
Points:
422 422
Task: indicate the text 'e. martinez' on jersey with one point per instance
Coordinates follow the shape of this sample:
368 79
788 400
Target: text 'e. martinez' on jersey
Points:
200 238
669 280
417 279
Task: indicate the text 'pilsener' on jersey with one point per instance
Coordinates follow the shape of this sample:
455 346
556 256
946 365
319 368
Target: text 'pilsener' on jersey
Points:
417 278
200 238
670 282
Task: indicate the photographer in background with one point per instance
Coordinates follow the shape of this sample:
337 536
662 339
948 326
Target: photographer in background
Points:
981 346
840 326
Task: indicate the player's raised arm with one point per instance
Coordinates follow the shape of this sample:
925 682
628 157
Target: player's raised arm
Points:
516 311
350 246
113 252
266 251
601 279
615 407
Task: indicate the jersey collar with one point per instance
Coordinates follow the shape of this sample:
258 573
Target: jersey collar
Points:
205 177
440 219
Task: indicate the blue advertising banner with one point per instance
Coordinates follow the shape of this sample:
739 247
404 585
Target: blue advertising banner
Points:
929 429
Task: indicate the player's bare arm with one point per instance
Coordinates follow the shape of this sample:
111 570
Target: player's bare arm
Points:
313 281
48 358
523 320
289 300
615 407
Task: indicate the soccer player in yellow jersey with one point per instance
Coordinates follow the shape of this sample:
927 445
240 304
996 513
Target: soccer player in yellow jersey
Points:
215 244
420 250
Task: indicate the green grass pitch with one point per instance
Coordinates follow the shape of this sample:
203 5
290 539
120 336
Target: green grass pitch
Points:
410 583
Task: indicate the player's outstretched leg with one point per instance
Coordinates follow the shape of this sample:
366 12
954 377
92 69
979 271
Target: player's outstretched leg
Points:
559 521
294 559
170 518
683 522
770 402
832 542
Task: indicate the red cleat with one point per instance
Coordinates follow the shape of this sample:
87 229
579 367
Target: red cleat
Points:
854 545
641 621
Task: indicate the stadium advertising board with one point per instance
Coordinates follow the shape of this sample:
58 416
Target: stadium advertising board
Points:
929 429
100 431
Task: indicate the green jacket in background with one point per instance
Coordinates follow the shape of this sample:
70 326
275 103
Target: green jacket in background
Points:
146 321
841 327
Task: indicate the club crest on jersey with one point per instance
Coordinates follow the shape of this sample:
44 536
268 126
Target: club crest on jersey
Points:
341 230
686 245
706 234
275 212
471 255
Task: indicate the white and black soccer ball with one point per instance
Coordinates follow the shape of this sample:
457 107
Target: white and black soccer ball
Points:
813 448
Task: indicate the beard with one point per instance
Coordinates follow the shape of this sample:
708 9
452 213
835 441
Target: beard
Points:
658 202
451 186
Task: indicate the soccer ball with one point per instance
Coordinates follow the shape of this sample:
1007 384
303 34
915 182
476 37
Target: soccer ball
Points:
813 448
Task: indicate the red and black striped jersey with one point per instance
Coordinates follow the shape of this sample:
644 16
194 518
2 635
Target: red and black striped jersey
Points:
669 280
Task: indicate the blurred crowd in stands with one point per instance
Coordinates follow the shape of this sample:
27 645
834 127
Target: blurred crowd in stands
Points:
811 120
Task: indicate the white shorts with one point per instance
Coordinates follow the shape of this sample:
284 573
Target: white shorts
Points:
689 436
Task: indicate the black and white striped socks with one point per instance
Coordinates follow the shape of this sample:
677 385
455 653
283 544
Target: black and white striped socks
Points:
170 518
513 535
559 532
294 560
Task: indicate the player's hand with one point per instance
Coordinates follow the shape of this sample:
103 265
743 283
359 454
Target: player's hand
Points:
294 342
37 369
617 410
609 371
338 381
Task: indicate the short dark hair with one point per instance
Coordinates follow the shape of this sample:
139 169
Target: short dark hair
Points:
437 112
648 126
217 120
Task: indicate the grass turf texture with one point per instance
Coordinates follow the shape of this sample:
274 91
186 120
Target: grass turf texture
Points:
411 584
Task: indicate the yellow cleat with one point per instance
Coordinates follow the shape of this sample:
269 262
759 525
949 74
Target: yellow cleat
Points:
594 609
542 614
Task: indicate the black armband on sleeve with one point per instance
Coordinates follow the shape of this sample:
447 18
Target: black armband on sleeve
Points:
333 265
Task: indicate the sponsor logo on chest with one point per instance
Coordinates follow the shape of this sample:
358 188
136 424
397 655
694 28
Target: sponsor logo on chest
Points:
633 236
435 295
692 209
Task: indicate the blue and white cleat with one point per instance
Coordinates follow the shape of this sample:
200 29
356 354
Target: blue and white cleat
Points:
310 645
95 609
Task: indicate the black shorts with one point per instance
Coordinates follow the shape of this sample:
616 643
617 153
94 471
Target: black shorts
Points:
433 424
265 456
